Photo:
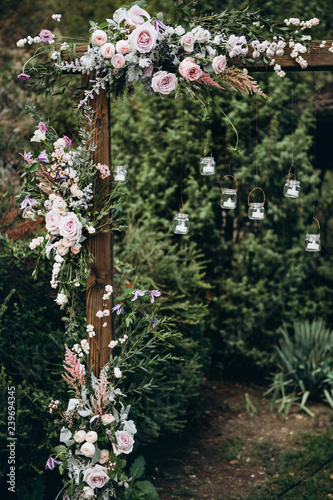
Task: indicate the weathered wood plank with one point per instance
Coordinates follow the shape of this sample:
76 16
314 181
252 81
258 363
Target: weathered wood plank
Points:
319 59
101 243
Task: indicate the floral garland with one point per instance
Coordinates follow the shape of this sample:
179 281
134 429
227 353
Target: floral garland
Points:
170 59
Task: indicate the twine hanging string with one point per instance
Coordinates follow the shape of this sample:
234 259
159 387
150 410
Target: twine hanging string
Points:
292 127
256 151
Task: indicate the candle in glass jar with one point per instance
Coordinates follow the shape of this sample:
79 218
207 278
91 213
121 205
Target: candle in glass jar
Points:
229 203
181 228
119 177
208 170
257 214
292 192
313 245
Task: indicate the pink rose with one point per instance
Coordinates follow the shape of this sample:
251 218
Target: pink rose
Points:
118 61
188 41
124 444
104 456
67 243
76 249
79 436
99 37
107 419
108 50
143 38
189 70
91 436
52 221
219 64
96 476
70 227
88 450
164 82
134 16
87 493
123 47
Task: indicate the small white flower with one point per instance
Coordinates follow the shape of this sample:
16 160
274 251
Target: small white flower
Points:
61 299
105 324
179 30
113 344
117 372
106 312
99 314
91 229
109 288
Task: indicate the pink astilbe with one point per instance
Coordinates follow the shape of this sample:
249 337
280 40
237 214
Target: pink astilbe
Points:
206 79
100 400
75 371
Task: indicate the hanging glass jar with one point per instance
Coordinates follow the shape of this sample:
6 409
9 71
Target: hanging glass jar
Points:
119 173
207 163
256 211
180 223
229 196
312 241
292 187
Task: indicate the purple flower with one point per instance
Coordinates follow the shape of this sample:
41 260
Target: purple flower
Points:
42 127
118 308
154 322
51 463
158 24
109 433
27 157
26 202
138 293
153 294
43 157
67 140
46 36
23 77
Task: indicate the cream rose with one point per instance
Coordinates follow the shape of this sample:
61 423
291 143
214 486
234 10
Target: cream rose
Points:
124 443
219 64
107 419
104 456
75 191
96 476
70 227
188 41
52 221
108 50
99 37
67 243
88 449
134 16
59 204
87 492
143 38
189 70
164 82
118 61
79 436
123 47
76 249
91 436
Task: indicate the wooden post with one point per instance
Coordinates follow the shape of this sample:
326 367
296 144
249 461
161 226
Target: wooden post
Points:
101 244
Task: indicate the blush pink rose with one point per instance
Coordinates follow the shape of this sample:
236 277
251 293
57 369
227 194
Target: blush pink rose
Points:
118 61
96 477
70 227
52 221
135 16
189 70
91 436
59 204
219 64
124 444
76 249
107 419
105 455
143 38
188 41
108 50
99 37
164 82
123 47
67 243
88 450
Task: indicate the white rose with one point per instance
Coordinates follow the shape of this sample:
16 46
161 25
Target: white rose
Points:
188 41
143 38
88 449
164 82
87 492
219 64
70 227
59 204
104 456
124 444
80 436
134 16
107 419
91 437
52 221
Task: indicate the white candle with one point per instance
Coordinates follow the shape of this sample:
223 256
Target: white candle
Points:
119 177
208 169
229 204
313 245
256 214
181 228
292 192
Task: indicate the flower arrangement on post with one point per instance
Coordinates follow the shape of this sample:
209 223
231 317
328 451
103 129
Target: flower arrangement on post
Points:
58 188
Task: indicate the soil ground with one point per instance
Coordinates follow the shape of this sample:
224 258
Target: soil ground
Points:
230 451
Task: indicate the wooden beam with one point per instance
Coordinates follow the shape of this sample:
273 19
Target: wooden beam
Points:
101 244
319 59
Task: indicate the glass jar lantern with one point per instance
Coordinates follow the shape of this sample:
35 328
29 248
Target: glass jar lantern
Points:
292 187
180 223
312 241
207 163
256 211
229 196
120 174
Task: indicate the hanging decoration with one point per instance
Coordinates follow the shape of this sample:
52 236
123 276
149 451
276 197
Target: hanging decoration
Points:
180 224
292 187
229 196
312 241
120 174
256 211
207 163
